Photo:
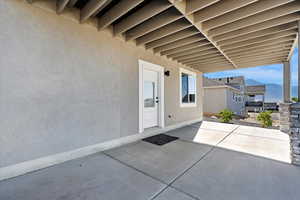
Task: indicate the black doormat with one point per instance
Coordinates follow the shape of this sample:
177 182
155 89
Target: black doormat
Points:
160 139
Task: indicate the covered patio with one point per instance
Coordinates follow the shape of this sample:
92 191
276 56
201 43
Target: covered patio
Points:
210 161
207 36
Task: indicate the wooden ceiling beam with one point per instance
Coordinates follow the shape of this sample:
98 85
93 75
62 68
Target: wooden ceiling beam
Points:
91 8
287 39
196 60
72 3
181 6
205 57
258 18
270 62
179 43
208 62
267 58
186 47
149 10
257 56
196 55
195 5
209 69
212 66
260 26
219 8
258 34
190 51
61 5
260 39
256 63
153 23
244 12
164 31
116 12
172 38
263 49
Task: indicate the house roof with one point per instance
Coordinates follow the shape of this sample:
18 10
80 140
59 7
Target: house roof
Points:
211 83
255 89
207 35
233 80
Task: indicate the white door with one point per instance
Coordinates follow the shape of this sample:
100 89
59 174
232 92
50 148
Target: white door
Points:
150 97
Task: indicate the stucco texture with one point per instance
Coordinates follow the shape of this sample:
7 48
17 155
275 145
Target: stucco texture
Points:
219 98
64 85
214 100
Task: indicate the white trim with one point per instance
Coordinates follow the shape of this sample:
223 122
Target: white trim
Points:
182 70
293 48
161 109
44 162
222 86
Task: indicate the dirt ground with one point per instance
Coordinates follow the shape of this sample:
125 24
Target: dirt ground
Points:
251 120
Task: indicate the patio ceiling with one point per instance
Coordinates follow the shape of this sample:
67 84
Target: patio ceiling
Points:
208 35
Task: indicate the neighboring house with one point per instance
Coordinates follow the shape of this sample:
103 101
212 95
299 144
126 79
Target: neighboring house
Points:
252 103
219 96
236 81
243 96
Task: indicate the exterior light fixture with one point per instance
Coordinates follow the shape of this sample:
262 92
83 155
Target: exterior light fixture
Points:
167 73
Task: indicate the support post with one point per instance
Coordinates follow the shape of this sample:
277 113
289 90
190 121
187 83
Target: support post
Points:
290 112
298 60
286 82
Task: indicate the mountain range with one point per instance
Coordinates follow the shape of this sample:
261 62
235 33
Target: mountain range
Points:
273 91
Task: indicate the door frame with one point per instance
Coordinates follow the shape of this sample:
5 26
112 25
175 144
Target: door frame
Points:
161 114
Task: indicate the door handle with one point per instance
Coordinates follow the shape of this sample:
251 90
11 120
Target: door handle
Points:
157 101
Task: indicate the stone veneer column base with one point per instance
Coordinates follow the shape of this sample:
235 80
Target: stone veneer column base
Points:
290 124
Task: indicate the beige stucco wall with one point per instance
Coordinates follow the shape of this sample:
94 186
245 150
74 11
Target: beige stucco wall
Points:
64 85
215 100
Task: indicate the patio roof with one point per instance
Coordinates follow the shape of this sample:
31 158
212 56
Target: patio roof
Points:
208 35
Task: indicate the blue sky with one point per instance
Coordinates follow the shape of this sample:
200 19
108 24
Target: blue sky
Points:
264 74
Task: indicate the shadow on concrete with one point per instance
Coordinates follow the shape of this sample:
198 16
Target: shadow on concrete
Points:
186 169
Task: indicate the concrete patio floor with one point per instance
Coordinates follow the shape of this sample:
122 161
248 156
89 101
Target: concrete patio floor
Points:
209 161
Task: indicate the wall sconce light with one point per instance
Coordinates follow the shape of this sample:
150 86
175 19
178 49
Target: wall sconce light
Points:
167 73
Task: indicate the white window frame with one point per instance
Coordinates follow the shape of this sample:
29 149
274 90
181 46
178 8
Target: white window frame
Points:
185 71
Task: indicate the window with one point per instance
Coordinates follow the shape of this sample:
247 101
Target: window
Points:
187 88
149 93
